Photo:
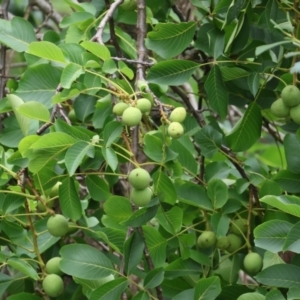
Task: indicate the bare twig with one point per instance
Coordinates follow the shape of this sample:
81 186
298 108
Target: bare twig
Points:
132 61
46 7
104 21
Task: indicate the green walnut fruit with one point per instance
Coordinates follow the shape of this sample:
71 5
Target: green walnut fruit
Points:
279 109
139 178
119 108
235 242
253 263
129 5
178 115
53 285
52 266
144 105
290 95
58 225
131 116
175 130
54 191
222 243
72 116
49 203
141 198
295 114
207 239
239 226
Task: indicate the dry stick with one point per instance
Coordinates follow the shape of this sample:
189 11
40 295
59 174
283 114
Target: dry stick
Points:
132 61
98 36
46 8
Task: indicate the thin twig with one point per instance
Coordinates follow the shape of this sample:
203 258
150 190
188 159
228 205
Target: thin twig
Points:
132 61
98 36
46 8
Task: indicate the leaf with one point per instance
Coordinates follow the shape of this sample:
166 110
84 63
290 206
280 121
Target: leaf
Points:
110 290
288 204
112 132
110 157
217 93
247 131
133 252
39 83
70 73
292 149
47 51
261 49
154 278
118 208
23 296
141 216
164 187
253 83
271 235
252 296
75 155
181 267
100 51
69 199
288 181
84 261
207 288
292 242
231 73
171 72
274 295
217 191
194 195
170 220
156 245
34 110
23 266
16 34
169 40
23 121
282 275
141 296
97 187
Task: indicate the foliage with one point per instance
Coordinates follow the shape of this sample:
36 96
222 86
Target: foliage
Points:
222 165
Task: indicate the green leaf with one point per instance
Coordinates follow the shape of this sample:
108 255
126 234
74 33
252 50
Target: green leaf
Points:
288 204
181 267
292 149
70 73
292 242
271 235
251 296
47 51
156 245
164 187
75 155
288 181
34 110
110 157
208 288
100 51
193 194
170 220
141 296
220 223
16 34
274 295
253 83
285 276
133 251
98 187
217 93
23 296
217 191
231 73
119 208
23 121
76 18
110 290
209 139
169 40
69 199
39 83
112 132
84 261
247 131
23 266
172 72
141 216
154 278
261 49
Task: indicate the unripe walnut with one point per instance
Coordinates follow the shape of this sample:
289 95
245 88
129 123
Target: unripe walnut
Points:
175 130
295 114
139 178
52 266
279 109
290 95
235 242
239 226
131 116
119 108
141 197
253 263
178 115
144 105
58 225
207 239
53 285
222 243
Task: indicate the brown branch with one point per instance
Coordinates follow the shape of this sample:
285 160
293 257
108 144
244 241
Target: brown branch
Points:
132 61
104 21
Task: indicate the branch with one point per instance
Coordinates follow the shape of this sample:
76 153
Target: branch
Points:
46 7
104 21
132 61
